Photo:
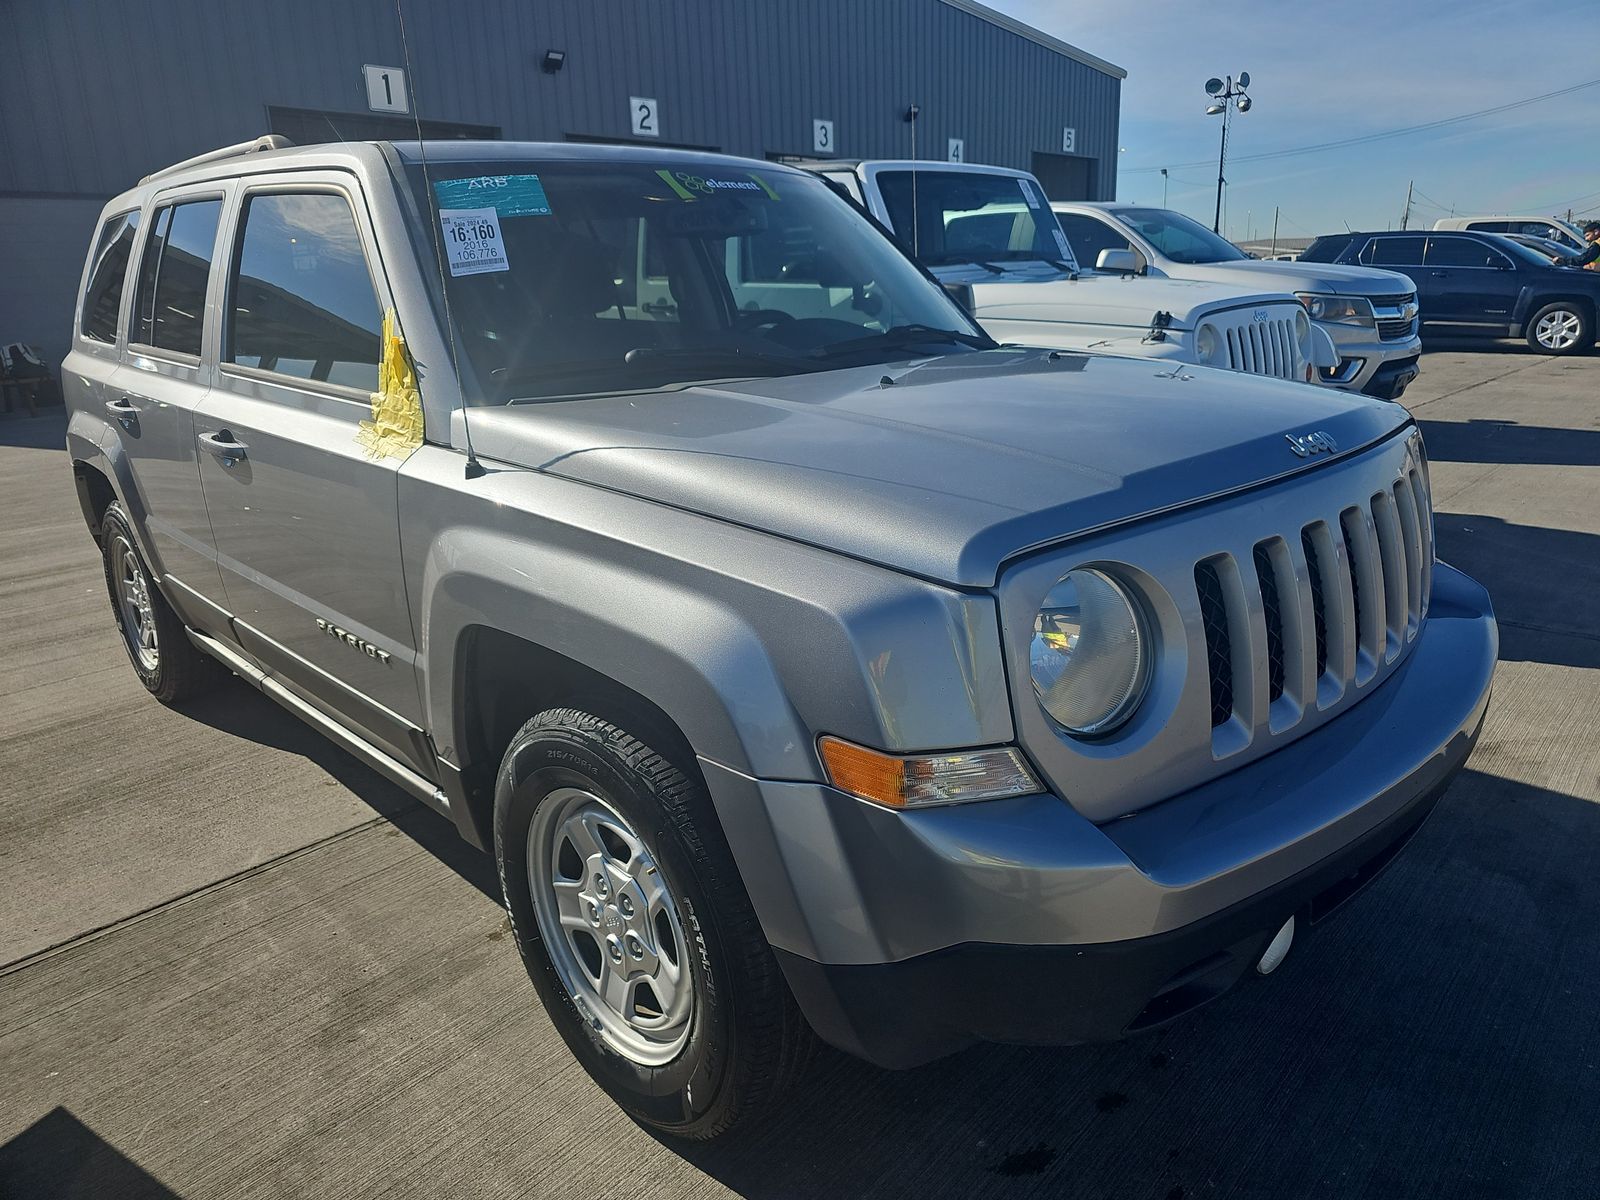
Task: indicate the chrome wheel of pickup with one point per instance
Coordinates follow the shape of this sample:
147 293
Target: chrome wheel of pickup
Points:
1558 329
610 926
132 589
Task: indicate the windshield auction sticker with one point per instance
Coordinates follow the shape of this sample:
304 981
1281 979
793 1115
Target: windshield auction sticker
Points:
472 241
508 195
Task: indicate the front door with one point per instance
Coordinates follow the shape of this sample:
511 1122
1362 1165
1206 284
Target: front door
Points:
305 515
154 392
1473 283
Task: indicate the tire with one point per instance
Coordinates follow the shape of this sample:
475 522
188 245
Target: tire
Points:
734 1047
1560 327
166 661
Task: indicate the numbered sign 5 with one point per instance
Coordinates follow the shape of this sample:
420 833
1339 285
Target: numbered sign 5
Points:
822 137
386 89
646 116
1069 140
957 151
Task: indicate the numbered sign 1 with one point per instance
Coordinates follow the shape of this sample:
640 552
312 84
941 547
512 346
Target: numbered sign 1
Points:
646 116
386 89
957 151
1069 140
822 137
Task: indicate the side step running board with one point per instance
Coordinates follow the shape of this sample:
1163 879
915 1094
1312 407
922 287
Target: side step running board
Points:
392 770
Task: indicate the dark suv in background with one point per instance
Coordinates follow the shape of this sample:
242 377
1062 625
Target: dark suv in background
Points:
1480 283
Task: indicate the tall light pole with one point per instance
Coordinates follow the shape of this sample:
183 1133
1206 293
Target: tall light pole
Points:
1226 95
1163 187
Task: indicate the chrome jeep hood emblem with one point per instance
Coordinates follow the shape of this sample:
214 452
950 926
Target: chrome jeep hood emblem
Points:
1318 441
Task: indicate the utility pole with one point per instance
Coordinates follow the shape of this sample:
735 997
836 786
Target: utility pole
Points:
1405 217
1164 192
1274 231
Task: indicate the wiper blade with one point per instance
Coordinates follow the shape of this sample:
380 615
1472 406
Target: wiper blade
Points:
902 337
715 359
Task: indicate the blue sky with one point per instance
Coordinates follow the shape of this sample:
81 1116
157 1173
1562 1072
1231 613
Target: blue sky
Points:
1320 73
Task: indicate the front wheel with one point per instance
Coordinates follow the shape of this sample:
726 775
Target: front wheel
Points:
1560 328
635 928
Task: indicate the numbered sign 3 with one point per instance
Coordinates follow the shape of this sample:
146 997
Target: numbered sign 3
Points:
646 116
386 89
957 151
822 137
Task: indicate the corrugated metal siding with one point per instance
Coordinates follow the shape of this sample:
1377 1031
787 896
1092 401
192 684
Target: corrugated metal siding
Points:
108 91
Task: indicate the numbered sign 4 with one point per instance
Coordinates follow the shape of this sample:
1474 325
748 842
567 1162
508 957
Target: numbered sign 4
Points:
386 89
646 116
957 151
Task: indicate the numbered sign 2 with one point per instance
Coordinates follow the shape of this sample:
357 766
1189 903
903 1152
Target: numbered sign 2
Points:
822 137
386 89
646 116
957 151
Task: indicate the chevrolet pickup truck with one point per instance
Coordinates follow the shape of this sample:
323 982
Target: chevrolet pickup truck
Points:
812 666
990 230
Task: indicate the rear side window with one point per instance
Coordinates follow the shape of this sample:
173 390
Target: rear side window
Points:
301 299
108 268
171 308
1393 252
1461 252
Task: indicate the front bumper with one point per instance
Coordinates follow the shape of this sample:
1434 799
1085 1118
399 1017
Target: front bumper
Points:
905 936
1369 364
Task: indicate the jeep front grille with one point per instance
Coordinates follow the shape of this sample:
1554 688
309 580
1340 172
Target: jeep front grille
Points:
1324 622
1265 347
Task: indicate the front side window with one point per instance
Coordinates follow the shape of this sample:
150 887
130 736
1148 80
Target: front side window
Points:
1181 238
968 217
301 300
171 301
1088 236
108 269
1461 252
582 278
1393 252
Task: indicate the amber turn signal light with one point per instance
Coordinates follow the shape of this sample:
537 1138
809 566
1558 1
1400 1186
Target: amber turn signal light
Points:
919 780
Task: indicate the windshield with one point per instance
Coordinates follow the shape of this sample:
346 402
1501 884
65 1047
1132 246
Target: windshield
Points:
971 217
1180 238
1517 250
571 278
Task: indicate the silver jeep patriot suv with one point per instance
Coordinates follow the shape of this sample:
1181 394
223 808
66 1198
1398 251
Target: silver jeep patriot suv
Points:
811 665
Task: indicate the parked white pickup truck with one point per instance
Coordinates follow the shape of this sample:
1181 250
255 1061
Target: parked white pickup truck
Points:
991 228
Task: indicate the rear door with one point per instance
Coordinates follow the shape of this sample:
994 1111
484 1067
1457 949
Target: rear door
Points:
154 392
1471 282
306 519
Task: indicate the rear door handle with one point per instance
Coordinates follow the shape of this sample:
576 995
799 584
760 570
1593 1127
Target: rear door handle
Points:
1440 274
123 409
223 446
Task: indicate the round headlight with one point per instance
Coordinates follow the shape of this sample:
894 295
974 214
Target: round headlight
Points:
1090 660
1206 343
1302 330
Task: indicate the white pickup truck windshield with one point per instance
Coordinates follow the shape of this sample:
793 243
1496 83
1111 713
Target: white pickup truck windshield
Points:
573 278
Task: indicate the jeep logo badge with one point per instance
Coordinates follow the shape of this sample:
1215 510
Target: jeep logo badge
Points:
1261 316
1306 444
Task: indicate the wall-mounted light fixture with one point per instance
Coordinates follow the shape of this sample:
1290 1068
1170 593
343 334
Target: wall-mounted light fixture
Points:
553 61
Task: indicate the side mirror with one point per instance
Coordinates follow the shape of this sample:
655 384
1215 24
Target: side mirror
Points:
961 293
1117 262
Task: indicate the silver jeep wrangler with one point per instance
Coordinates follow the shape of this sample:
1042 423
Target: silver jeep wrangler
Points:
811 665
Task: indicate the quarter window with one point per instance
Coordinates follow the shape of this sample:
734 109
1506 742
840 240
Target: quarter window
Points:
1393 252
302 300
172 276
102 299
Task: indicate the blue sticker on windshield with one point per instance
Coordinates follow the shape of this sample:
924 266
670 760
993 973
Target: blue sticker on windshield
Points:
508 195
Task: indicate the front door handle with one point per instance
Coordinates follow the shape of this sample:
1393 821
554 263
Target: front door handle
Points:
223 446
1439 274
123 409
664 307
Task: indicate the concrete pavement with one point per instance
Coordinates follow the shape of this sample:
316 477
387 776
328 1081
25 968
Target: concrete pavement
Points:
243 965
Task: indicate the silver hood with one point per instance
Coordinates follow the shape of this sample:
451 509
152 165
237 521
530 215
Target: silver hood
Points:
957 465
1328 278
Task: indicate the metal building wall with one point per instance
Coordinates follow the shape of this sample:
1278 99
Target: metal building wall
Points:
107 91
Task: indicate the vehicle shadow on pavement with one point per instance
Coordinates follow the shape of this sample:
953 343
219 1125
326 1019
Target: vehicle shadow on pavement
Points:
1491 441
1435 1038
59 1156
236 708
1545 584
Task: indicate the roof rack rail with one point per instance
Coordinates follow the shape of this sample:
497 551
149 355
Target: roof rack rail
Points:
269 141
